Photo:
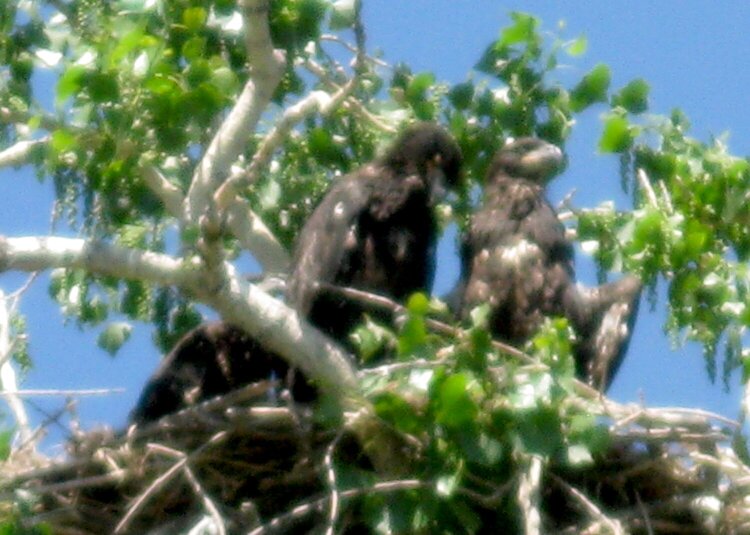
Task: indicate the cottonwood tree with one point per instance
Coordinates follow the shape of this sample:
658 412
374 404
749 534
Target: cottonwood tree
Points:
185 133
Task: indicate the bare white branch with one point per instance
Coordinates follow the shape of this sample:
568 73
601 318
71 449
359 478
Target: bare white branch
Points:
169 194
8 381
280 329
351 104
256 237
645 183
529 495
266 66
41 253
274 324
19 153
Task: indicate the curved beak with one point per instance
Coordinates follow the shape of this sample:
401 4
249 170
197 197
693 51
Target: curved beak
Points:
544 161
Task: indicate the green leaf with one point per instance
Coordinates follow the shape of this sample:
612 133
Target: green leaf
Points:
446 485
577 47
225 80
194 18
418 304
342 15
593 88
523 30
324 148
70 83
456 409
617 136
633 97
461 95
398 413
5 439
161 85
539 431
480 315
103 87
413 336
370 338
63 141
194 48
114 336
416 91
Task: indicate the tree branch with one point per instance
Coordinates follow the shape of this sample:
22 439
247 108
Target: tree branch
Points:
46 122
256 237
315 101
169 194
273 324
41 253
8 382
20 153
266 66
529 495
351 103
280 329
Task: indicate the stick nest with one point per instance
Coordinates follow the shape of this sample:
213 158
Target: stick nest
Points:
240 464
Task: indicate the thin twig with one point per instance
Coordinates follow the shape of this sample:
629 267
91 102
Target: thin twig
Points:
645 183
66 393
644 512
529 495
351 103
206 499
333 508
305 509
388 304
162 480
614 526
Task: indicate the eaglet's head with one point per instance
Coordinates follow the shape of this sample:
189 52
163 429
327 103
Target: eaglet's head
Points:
529 158
428 150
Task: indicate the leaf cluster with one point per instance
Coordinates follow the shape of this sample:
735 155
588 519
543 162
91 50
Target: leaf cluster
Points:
479 414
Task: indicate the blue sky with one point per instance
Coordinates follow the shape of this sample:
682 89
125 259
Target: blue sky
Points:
693 54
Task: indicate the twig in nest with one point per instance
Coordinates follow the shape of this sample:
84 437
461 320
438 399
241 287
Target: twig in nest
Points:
529 493
333 510
644 512
614 526
207 502
385 303
159 482
306 508
234 397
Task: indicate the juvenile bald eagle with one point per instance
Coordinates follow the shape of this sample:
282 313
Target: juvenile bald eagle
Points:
517 259
374 230
210 360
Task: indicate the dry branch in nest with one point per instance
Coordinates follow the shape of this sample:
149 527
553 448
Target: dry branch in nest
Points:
249 463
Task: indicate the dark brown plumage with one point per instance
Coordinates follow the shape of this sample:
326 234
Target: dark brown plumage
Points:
374 230
516 258
211 359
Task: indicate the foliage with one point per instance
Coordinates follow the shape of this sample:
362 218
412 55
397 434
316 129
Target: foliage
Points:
147 83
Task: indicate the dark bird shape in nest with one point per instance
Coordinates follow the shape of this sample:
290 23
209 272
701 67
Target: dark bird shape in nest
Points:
517 259
210 360
374 230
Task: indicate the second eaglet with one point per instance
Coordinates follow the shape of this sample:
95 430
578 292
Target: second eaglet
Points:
517 259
